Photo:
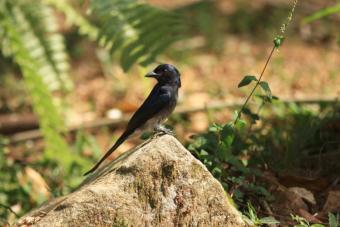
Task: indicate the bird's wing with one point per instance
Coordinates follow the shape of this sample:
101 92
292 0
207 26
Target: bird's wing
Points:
158 99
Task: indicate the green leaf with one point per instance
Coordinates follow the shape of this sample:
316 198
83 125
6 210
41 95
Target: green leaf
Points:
215 128
278 41
216 172
246 111
247 80
240 124
322 13
333 220
269 220
302 222
253 116
204 153
265 87
236 163
251 212
228 135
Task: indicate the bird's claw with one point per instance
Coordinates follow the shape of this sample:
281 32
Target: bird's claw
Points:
163 130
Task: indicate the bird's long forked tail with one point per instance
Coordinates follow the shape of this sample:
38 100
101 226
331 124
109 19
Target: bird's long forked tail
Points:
120 140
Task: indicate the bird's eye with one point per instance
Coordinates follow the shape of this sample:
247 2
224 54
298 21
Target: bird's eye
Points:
165 70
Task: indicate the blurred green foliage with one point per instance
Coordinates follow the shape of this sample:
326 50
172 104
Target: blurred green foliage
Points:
137 28
298 140
29 49
301 138
21 193
322 13
224 153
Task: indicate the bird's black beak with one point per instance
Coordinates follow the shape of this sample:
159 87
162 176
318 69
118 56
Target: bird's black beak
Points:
152 74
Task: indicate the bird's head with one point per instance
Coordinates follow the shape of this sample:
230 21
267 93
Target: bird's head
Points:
166 74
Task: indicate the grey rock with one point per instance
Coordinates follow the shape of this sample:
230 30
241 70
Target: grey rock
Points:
158 183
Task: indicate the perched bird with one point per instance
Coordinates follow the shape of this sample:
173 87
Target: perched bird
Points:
156 108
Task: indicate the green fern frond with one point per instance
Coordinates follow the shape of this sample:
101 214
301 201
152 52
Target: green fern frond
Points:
24 47
41 21
46 45
137 31
140 31
74 18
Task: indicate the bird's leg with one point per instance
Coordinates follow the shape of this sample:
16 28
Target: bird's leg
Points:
161 129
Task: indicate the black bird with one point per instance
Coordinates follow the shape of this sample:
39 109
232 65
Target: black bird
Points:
156 108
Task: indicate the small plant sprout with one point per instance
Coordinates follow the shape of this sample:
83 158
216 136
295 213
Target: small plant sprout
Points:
248 79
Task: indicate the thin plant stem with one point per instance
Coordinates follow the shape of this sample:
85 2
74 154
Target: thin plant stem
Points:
10 209
256 85
277 43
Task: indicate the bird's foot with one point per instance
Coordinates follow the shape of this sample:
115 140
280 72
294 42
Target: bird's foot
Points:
163 130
